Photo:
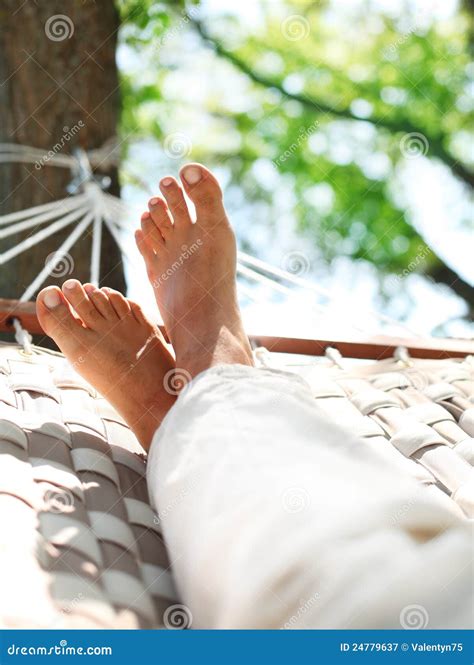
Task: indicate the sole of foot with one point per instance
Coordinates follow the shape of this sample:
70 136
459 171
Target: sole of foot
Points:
115 348
191 265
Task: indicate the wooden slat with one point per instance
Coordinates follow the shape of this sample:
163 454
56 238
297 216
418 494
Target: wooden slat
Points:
24 311
376 347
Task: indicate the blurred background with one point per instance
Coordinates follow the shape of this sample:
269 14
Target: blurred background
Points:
341 131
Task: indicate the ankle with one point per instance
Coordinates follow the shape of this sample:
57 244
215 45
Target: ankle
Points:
225 351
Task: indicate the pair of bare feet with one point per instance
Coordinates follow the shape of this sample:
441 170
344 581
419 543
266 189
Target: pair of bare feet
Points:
191 266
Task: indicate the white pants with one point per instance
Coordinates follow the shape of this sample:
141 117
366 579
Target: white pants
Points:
276 517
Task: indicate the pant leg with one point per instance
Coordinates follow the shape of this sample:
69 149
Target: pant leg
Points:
276 517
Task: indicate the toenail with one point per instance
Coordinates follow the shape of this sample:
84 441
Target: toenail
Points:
166 182
52 299
146 215
192 175
70 284
154 201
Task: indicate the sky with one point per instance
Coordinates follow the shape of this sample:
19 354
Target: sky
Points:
433 199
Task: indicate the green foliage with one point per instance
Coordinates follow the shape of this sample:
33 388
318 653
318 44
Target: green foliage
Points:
329 110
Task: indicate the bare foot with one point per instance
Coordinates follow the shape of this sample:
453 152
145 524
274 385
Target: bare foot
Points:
115 348
192 269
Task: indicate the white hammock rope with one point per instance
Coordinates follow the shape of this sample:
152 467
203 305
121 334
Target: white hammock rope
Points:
33 240
28 213
39 219
303 283
23 337
91 205
261 279
106 156
13 152
58 256
249 294
247 272
283 274
96 247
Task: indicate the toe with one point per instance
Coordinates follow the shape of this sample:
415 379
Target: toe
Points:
100 301
147 253
152 235
55 315
118 302
176 202
161 216
137 312
204 191
80 302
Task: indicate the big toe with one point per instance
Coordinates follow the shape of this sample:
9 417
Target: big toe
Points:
204 191
55 315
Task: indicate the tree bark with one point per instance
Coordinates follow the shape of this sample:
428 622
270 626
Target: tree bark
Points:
443 274
57 76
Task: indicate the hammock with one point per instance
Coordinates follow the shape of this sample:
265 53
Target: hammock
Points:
80 545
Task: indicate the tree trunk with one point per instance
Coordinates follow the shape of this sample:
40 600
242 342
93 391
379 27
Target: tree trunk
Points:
442 274
58 76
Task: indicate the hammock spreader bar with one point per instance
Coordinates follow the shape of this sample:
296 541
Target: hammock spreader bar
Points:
377 347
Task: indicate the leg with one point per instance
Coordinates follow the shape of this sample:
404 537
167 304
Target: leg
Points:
111 343
273 515
277 518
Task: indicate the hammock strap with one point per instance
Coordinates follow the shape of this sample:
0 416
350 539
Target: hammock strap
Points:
41 235
23 337
40 219
96 246
27 213
57 257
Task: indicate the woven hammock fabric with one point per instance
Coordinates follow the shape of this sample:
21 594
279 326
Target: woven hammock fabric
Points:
80 546
419 417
